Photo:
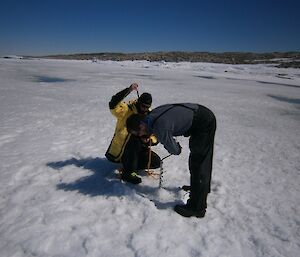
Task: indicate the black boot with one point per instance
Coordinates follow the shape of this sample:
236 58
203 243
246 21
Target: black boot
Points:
131 177
186 210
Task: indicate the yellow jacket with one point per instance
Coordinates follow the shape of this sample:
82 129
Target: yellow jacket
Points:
116 148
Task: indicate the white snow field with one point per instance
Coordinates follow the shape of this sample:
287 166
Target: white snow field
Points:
60 197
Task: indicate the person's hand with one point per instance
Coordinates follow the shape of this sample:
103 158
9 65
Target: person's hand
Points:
145 140
133 86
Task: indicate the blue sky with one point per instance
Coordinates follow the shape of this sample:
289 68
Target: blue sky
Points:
39 27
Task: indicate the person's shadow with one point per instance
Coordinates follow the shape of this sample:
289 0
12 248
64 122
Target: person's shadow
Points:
100 182
104 181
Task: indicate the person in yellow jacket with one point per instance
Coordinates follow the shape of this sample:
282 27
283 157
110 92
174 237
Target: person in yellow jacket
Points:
131 151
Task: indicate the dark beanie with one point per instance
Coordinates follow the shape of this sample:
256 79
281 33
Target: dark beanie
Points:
145 98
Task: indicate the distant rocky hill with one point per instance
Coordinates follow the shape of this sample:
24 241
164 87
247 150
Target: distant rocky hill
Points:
283 59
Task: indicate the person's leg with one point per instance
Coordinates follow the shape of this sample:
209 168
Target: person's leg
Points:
143 159
200 164
129 160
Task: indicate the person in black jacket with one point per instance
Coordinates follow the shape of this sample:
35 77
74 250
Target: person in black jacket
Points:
190 120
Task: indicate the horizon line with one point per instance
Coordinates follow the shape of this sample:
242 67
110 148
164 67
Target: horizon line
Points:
159 51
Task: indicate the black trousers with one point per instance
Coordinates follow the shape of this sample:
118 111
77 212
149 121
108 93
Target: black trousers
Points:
201 143
136 156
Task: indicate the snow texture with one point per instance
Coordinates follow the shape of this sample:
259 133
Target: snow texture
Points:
60 197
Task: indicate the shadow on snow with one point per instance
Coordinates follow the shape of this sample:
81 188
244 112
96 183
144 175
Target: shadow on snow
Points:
104 181
286 99
47 79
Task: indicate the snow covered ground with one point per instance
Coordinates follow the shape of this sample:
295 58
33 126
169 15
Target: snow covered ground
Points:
60 197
